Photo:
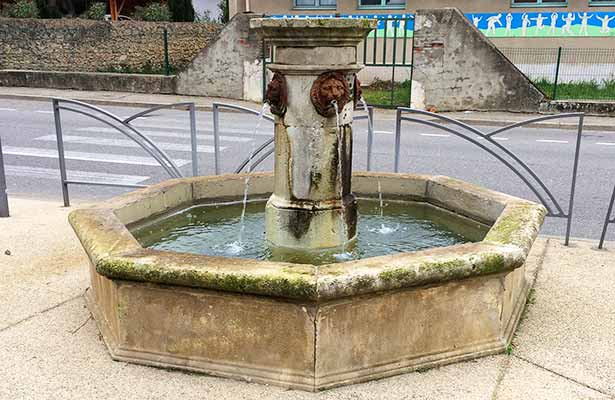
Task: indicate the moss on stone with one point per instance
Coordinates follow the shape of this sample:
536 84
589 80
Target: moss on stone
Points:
511 223
362 282
286 285
398 277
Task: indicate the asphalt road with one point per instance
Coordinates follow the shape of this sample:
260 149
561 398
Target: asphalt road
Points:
96 153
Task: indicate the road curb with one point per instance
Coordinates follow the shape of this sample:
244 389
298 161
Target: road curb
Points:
100 102
548 125
472 121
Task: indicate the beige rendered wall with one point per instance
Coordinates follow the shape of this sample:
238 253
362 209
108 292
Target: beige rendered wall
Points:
276 7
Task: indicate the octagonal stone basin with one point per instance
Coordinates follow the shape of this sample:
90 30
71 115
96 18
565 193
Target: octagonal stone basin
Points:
304 326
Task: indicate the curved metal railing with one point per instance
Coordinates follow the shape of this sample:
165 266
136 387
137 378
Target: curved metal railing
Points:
124 127
522 170
264 151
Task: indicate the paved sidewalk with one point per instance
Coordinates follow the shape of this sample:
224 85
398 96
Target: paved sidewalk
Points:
51 349
205 104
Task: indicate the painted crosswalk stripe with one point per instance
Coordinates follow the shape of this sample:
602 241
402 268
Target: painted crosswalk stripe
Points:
551 141
83 156
247 129
200 135
7 109
606 143
125 143
49 173
435 134
44 112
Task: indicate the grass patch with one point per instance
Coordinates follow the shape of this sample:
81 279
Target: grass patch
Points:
588 90
379 93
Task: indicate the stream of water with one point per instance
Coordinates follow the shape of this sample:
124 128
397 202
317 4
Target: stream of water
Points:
237 246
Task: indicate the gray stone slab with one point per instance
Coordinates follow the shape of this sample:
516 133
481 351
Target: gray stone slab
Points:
523 380
569 328
46 264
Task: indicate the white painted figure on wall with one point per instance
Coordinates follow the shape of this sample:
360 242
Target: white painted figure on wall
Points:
509 19
605 23
525 23
568 23
584 18
554 18
492 21
539 22
476 20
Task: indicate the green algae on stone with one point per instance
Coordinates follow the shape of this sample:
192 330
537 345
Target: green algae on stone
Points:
283 285
513 222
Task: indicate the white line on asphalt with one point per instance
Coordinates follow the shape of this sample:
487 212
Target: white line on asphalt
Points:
172 134
44 112
83 156
500 138
48 173
384 132
606 143
125 143
8 109
224 128
435 134
551 141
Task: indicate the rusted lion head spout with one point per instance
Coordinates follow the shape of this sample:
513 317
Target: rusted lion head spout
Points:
328 88
277 94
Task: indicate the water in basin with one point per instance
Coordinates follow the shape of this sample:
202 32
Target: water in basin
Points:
212 229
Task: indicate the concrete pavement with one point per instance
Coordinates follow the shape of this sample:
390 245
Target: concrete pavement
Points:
50 347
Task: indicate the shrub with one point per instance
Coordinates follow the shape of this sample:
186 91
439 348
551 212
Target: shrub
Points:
153 12
181 10
23 9
96 11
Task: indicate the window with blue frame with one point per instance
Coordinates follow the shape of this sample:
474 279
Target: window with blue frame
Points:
538 3
327 4
602 2
382 4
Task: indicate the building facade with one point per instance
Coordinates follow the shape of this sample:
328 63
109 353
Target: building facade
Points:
509 23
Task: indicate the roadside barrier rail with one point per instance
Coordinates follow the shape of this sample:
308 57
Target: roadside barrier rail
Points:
504 155
124 127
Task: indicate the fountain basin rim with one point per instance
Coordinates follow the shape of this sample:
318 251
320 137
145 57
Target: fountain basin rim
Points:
117 255
309 70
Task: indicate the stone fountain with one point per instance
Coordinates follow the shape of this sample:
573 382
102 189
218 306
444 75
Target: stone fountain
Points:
309 326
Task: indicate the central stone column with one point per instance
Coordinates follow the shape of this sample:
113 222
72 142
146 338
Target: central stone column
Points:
314 72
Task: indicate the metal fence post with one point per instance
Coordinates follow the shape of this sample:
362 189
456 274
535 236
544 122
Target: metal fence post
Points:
559 59
607 220
397 138
370 136
165 38
573 185
193 142
215 110
4 201
61 160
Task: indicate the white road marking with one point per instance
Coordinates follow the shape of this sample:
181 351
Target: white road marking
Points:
384 132
83 156
606 143
7 109
224 128
44 112
125 143
551 141
172 134
435 134
503 139
48 173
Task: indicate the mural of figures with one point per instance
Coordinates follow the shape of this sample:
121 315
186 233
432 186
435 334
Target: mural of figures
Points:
541 24
517 24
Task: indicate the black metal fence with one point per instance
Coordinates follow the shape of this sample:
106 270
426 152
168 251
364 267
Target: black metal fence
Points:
568 73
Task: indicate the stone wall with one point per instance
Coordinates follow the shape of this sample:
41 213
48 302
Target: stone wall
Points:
88 46
231 67
458 68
